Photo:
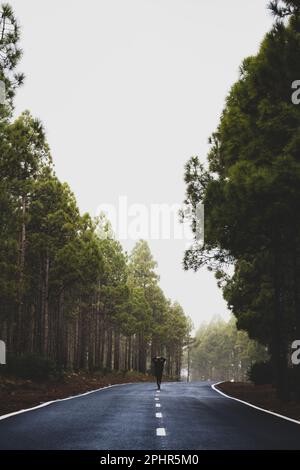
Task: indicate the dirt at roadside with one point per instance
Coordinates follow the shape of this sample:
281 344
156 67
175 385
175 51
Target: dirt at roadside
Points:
17 394
263 396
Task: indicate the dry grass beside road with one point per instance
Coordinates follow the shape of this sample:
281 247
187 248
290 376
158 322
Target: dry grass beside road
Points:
17 394
263 396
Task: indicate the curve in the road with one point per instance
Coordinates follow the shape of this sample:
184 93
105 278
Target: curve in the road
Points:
215 387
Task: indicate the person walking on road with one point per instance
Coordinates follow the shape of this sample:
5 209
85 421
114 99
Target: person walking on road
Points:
158 365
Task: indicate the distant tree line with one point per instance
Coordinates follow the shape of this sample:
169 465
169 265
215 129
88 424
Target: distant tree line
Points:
221 352
251 192
67 289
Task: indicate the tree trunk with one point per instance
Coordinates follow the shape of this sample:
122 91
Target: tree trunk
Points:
109 350
142 354
117 350
21 278
46 307
102 344
280 361
61 336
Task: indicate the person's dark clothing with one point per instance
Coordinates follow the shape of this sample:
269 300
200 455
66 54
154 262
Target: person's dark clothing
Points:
158 366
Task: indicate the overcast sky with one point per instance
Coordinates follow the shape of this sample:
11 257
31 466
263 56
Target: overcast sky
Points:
128 90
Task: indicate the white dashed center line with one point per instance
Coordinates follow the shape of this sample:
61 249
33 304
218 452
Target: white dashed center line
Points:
161 432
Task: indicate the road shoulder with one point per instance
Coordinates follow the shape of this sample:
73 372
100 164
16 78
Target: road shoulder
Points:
17 394
249 395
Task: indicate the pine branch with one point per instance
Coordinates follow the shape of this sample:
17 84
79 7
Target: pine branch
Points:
284 8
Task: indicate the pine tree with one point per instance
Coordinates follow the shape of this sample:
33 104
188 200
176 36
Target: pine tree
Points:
251 195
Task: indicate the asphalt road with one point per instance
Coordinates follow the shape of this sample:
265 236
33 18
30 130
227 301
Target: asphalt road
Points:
180 417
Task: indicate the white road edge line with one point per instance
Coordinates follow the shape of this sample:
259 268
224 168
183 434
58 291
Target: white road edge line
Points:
252 406
42 405
160 432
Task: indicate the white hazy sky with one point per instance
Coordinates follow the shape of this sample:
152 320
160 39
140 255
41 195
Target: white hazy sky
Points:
128 90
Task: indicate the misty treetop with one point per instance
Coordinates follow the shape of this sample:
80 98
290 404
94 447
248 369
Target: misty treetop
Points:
221 352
